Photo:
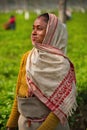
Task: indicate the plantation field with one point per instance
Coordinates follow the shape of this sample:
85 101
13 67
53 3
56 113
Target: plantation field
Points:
14 43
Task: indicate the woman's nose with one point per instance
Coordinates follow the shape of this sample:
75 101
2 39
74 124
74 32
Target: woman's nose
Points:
34 31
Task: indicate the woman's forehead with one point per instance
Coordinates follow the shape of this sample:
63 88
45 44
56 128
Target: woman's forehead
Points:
40 21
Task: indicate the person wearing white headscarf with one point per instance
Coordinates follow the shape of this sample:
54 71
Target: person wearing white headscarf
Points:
50 79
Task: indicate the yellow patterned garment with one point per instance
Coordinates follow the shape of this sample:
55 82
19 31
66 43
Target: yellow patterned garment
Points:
22 91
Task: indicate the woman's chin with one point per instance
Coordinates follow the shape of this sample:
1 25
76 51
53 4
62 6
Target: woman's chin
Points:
33 42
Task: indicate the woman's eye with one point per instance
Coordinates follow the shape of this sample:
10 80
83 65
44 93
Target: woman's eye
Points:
40 28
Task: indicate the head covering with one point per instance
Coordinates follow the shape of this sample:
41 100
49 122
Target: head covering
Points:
50 74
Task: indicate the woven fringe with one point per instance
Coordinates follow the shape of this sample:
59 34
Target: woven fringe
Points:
62 117
72 109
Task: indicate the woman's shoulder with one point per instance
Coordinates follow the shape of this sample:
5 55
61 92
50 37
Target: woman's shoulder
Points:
24 57
25 54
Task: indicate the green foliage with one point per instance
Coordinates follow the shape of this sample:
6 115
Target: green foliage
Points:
77 48
77 52
14 43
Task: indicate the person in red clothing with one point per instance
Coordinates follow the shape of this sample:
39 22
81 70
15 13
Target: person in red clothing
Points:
12 22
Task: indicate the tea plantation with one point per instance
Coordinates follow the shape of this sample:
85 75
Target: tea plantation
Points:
14 43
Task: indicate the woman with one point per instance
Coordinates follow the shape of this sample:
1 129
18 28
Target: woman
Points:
46 93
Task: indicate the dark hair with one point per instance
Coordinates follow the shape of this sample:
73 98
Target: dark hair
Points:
12 16
46 17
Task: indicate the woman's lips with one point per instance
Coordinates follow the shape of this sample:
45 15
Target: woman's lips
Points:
34 38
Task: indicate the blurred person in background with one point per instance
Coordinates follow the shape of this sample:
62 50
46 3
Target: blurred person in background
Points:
46 86
68 14
11 24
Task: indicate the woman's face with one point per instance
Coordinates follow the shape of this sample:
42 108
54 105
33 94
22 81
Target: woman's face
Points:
39 30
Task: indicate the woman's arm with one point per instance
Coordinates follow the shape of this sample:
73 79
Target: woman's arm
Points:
13 119
50 123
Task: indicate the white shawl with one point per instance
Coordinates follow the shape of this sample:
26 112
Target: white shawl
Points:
50 74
